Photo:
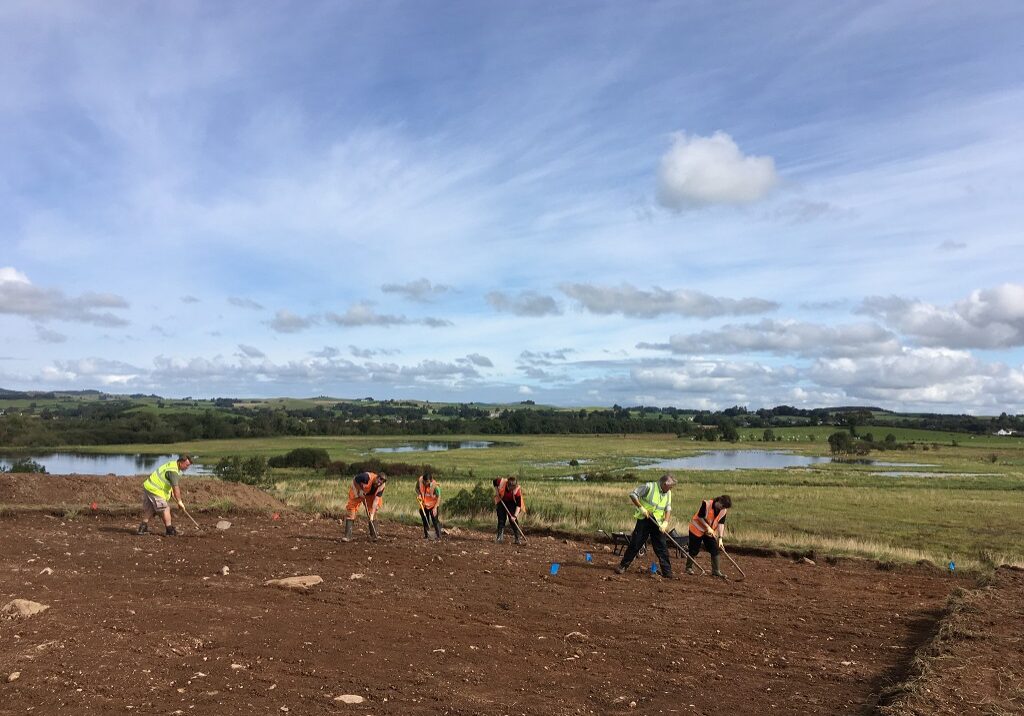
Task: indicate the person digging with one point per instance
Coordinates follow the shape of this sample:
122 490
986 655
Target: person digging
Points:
161 485
366 490
707 528
653 502
508 500
428 495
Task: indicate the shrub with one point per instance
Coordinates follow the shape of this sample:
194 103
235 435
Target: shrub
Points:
26 464
469 503
248 471
391 469
301 457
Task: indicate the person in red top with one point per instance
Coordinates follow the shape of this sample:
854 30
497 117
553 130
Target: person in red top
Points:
508 499
428 494
707 528
366 488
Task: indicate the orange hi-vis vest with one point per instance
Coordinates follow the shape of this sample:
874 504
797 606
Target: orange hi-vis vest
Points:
518 492
427 493
696 528
371 486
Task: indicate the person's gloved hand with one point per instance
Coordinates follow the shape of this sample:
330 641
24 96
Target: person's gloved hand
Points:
181 505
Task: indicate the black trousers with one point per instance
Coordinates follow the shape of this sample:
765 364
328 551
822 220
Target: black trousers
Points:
647 529
709 543
428 516
503 515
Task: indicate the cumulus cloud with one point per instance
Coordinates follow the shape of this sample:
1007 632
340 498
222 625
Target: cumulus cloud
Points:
734 382
480 360
526 303
94 370
250 351
364 314
287 322
244 303
421 290
371 352
326 352
637 303
988 318
700 171
787 338
20 297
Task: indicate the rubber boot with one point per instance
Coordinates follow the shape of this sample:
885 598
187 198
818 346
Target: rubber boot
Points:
348 530
143 529
501 534
715 571
689 565
171 531
518 540
437 530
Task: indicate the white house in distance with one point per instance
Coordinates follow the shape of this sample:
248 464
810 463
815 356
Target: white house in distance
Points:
1003 431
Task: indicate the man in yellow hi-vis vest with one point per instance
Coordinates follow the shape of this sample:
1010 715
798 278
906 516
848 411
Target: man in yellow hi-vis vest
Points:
653 502
158 489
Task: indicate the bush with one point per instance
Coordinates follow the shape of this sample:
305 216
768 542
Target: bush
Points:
248 471
391 469
301 457
26 464
471 503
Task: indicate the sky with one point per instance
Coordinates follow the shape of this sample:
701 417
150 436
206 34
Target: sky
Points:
691 204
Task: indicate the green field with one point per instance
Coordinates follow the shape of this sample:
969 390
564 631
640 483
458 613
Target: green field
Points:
971 513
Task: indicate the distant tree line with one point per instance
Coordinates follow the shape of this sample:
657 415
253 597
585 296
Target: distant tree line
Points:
148 419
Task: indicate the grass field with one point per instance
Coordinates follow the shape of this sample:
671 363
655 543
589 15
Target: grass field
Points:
970 514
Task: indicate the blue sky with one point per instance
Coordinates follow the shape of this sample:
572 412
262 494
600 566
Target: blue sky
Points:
579 203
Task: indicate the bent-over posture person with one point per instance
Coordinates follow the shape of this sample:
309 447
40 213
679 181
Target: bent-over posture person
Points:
367 488
428 494
653 502
707 528
158 489
508 500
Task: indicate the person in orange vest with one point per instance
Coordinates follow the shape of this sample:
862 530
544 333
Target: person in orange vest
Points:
366 488
428 494
508 499
707 528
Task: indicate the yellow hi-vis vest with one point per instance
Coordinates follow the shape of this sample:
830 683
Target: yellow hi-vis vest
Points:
158 484
656 502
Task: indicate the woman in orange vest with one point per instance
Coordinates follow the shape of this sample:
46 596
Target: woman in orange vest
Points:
508 499
707 528
428 494
366 488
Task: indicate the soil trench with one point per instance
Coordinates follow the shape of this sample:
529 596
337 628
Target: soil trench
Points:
157 625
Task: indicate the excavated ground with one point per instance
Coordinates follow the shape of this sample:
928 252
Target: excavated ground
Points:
155 625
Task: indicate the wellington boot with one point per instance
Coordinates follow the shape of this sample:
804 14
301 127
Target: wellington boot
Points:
348 531
437 530
501 534
715 570
143 529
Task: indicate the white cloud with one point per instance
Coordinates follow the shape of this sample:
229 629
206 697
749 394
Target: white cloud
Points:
526 303
20 297
47 336
244 303
988 318
700 171
421 290
480 360
524 390
638 303
287 322
250 351
787 338
363 314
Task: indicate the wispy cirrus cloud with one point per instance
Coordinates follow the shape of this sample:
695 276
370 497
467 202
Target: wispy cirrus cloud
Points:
638 303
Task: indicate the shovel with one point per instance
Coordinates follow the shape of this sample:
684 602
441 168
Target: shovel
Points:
515 522
742 575
689 560
373 527
182 508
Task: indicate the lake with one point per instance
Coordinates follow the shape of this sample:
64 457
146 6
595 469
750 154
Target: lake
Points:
69 463
439 446
754 460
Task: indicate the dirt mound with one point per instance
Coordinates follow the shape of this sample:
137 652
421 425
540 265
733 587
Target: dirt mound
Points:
117 494
463 626
975 662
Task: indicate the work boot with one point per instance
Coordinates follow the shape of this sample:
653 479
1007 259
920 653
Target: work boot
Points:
143 529
171 531
426 535
348 530
501 534
621 569
689 570
437 530
715 571
518 540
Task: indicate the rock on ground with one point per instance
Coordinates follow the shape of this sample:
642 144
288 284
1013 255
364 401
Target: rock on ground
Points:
350 699
23 608
298 583
223 525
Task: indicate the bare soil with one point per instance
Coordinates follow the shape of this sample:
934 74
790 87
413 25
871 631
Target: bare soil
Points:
154 624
